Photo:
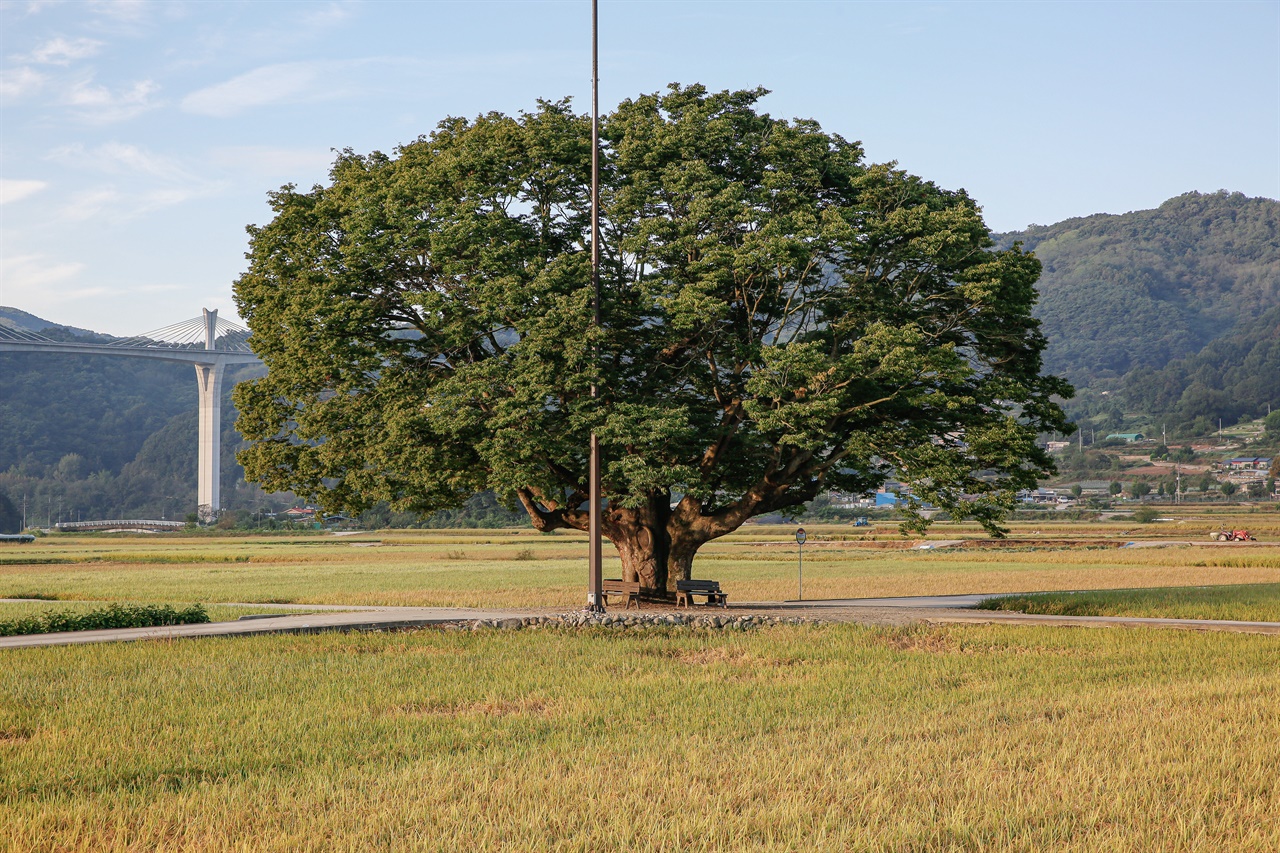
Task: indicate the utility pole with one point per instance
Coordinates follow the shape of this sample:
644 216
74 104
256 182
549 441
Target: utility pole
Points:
595 583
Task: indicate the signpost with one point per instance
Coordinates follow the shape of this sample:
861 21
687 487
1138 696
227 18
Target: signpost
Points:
800 537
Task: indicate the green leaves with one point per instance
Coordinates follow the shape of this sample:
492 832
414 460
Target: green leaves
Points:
779 318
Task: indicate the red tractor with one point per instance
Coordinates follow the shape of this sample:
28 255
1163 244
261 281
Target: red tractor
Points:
1233 536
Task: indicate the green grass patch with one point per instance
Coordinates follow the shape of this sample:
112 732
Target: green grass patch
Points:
111 616
1245 602
11 611
789 738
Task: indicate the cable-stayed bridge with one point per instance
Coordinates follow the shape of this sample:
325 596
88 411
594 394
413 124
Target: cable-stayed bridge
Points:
207 343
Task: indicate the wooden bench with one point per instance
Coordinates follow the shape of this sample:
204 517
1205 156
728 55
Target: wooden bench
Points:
686 590
617 587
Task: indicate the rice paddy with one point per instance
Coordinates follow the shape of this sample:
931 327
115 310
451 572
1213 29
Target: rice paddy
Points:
789 738
837 737
522 568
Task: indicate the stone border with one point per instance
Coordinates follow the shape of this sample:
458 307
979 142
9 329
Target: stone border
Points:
636 620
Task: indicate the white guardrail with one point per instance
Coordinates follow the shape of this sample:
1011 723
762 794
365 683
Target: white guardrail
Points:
120 524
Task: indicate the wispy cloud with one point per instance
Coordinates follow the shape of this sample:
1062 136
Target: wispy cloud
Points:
16 83
128 11
100 104
293 81
89 204
328 15
289 82
28 278
153 182
117 158
15 190
31 7
61 51
267 161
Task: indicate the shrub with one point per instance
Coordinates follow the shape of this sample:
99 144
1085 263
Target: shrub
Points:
111 616
1144 515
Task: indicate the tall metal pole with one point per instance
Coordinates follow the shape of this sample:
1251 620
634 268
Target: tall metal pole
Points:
595 589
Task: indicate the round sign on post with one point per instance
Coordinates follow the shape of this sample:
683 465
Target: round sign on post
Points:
801 536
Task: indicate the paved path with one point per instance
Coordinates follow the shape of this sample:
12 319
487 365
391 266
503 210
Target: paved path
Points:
928 610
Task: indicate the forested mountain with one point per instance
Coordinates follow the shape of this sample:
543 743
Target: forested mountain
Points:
98 407
1141 289
14 319
1234 377
104 436
1172 312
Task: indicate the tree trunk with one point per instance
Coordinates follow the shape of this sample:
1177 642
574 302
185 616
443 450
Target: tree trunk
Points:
680 561
652 555
642 540
657 542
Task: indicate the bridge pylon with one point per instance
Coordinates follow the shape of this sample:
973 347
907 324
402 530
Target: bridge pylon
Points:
206 343
209 380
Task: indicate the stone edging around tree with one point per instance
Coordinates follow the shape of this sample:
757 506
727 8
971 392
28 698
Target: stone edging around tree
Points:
632 620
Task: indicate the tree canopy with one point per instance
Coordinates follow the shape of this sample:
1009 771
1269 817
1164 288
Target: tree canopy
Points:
780 317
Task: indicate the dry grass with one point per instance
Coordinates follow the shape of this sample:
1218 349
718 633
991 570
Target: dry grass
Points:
523 568
836 738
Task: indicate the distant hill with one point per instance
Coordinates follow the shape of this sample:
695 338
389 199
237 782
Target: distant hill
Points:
1142 289
18 319
104 436
1236 376
99 407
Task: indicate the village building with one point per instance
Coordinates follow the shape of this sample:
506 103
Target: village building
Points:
1247 469
1041 497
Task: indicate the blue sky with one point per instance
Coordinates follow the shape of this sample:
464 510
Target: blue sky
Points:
137 139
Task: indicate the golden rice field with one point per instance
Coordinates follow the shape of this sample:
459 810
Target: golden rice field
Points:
523 568
789 738
838 737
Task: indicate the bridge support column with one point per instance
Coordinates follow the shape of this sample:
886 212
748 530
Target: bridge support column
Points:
209 487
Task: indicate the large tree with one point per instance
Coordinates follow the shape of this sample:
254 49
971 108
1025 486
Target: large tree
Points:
780 318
